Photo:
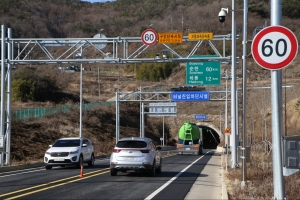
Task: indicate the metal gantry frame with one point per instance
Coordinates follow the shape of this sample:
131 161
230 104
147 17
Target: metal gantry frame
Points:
124 50
143 97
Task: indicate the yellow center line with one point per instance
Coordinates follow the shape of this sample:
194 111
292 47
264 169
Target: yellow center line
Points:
92 174
53 182
168 155
54 186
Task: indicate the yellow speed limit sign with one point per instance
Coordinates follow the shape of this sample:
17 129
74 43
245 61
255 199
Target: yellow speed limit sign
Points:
201 36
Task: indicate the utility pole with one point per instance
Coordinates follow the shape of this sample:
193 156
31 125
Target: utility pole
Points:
182 23
244 57
99 83
163 131
119 81
233 138
134 70
140 111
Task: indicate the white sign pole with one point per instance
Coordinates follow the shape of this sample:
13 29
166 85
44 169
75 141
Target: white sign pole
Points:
276 82
244 89
3 84
143 121
233 137
163 131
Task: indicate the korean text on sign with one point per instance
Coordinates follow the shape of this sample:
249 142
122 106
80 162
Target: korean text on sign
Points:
200 36
190 96
169 38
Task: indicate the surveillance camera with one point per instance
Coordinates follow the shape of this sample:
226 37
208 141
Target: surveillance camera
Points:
222 14
157 55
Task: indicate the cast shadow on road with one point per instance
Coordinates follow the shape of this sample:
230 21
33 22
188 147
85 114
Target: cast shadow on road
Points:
85 166
162 174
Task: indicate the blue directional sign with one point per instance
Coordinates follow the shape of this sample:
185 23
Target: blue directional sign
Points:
200 117
190 96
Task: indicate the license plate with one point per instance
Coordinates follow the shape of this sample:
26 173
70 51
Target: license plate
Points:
129 158
59 159
187 148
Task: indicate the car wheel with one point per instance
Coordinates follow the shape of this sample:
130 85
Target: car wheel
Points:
48 167
113 172
80 162
152 171
92 161
158 170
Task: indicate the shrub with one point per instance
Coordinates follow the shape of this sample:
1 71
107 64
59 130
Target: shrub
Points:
155 71
28 85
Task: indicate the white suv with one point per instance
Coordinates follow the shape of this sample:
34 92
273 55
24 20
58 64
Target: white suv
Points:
136 154
70 151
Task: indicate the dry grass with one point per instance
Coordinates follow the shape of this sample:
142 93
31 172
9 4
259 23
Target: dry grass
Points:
259 181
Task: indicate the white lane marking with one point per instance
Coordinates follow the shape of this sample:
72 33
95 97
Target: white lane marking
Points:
171 180
23 172
31 170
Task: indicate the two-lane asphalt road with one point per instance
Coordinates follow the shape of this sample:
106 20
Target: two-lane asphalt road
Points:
179 172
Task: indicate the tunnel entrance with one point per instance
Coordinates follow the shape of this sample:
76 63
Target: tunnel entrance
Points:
211 138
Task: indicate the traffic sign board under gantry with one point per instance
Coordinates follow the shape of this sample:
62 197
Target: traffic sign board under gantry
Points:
201 36
170 38
203 73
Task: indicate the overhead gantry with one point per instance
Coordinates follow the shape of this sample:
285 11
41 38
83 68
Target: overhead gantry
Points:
123 50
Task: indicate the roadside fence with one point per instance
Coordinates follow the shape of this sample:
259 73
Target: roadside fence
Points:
37 113
265 146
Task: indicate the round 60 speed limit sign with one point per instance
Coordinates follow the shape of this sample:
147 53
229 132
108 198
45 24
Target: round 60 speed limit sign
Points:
274 47
149 37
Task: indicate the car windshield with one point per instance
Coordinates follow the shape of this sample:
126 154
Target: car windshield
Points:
67 143
131 144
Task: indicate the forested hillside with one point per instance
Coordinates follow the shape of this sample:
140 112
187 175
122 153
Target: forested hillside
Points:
74 18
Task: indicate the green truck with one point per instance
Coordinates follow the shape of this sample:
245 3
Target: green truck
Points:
189 139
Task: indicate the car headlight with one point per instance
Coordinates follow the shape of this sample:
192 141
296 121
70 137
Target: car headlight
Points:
74 152
48 153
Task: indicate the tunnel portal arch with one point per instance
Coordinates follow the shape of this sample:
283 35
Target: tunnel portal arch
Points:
212 136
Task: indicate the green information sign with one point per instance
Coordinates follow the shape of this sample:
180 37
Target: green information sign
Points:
203 73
